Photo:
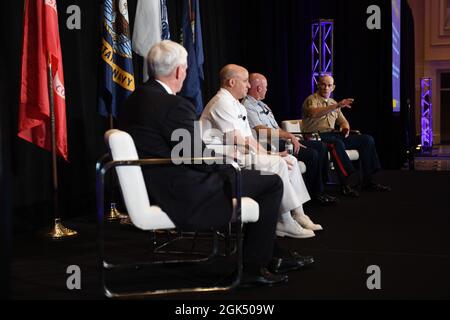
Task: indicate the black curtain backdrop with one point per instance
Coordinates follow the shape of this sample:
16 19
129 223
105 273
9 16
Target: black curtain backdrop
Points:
5 175
5 216
268 36
5 211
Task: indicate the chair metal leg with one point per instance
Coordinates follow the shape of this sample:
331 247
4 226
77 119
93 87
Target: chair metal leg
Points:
234 282
105 266
194 238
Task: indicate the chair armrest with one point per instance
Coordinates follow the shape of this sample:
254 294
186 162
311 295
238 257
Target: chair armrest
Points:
307 135
354 132
103 168
159 161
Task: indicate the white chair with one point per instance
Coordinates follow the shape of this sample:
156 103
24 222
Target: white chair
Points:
295 126
149 217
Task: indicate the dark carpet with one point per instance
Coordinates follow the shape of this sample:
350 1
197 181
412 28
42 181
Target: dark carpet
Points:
406 233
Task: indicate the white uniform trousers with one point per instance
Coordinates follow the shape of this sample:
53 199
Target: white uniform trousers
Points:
295 193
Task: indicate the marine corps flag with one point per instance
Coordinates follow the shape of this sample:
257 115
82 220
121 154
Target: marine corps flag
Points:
41 46
117 64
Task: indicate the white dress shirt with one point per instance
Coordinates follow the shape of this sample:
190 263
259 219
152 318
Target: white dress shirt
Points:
225 114
166 87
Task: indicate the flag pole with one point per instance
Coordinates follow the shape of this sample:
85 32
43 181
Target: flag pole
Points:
58 231
114 214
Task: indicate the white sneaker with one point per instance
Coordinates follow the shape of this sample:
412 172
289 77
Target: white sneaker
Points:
293 230
307 223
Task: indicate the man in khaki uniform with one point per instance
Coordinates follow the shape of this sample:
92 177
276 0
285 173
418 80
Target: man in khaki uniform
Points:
322 114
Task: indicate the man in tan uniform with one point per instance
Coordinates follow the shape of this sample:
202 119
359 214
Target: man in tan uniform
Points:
322 114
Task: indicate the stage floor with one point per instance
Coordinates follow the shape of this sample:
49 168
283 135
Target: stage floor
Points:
405 233
438 160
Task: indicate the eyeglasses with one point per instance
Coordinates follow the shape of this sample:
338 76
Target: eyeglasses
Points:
324 85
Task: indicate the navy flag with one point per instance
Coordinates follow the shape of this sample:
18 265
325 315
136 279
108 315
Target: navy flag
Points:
193 42
117 65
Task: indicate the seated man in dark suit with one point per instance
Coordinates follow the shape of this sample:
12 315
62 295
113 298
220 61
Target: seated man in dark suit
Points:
320 114
199 197
313 153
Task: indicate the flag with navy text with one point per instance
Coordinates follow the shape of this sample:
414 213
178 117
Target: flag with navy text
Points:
117 82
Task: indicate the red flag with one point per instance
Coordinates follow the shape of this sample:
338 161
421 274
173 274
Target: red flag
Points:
40 45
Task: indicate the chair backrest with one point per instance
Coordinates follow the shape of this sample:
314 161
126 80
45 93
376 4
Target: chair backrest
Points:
132 184
292 125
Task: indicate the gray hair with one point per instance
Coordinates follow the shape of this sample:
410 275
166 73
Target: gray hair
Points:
165 56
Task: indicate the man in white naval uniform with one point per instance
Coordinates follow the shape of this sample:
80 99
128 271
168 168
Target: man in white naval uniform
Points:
226 114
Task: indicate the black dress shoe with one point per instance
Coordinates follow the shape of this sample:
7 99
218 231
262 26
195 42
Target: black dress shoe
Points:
295 262
349 191
307 260
333 199
377 187
263 277
324 199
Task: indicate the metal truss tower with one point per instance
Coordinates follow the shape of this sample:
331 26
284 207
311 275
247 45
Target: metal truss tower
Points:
427 114
322 50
